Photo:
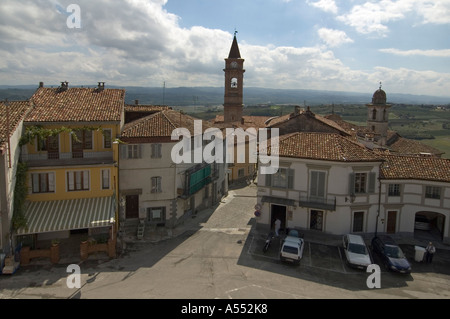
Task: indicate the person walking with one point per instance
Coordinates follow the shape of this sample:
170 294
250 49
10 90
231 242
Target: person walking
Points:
277 227
431 250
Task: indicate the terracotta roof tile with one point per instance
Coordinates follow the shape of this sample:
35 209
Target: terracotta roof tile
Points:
17 111
323 146
416 167
410 147
160 124
76 105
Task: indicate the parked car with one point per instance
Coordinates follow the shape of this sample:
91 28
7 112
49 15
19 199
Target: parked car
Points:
292 249
422 222
391 254
356 251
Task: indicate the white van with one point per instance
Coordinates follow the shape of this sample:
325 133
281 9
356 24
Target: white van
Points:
292 249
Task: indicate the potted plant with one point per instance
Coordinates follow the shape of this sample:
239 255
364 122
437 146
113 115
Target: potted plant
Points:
55 242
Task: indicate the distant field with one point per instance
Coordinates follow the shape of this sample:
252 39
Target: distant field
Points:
441 143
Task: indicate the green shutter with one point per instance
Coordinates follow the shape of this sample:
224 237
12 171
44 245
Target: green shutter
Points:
290 178
351 184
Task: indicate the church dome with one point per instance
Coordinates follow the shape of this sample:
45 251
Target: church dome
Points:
379 97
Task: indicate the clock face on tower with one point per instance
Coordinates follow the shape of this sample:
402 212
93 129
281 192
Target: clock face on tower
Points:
234 64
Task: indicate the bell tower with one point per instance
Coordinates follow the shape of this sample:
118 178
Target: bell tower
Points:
234 78
377 116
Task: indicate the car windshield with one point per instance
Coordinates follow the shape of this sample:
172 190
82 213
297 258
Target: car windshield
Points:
393 251
290 250
357 249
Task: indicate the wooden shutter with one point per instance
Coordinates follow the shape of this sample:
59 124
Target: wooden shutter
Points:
70 181
351 184
51 182
35 182
290 180
123 151
85 179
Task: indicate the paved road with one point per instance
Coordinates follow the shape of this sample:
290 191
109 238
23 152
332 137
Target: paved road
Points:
219 255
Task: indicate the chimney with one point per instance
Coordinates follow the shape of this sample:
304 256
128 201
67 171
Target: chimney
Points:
64 86
101 86
136 102
297 110
41 84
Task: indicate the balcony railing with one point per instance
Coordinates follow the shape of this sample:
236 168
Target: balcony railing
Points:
67 158
318 202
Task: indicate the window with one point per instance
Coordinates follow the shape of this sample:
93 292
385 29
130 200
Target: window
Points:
156 214
394 190
82 139
284 178
107 138
234 82
78 180
374 114
130 151
433 192
156 184
43 182
241 172
362 183
317 184
156 150
106 178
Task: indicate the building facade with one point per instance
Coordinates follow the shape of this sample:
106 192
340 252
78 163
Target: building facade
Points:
153 187
71 152
11 120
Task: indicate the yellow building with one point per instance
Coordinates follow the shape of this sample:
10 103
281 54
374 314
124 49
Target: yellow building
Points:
72 158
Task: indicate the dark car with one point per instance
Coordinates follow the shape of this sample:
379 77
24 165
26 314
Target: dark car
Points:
391 254
422 222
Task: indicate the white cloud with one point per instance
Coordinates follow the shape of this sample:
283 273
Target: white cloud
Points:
374 17
138 42
416 52
333 38
325 5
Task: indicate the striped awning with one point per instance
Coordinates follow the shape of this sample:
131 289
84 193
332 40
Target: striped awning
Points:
58 215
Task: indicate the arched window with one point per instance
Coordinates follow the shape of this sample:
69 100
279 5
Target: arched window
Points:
384 115
374 114
234 82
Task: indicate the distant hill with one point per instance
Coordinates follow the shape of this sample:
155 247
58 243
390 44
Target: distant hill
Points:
189 96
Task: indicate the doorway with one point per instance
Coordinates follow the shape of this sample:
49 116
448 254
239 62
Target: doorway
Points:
132 206
278 211
316 221
391 222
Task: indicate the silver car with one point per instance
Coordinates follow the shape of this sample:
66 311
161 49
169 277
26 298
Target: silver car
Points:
356 252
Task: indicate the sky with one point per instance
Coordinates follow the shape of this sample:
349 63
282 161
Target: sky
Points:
336 45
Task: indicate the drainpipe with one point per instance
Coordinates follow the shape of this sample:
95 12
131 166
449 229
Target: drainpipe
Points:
379 198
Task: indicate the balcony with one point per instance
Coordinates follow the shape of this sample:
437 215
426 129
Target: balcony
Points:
318 202
67 159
